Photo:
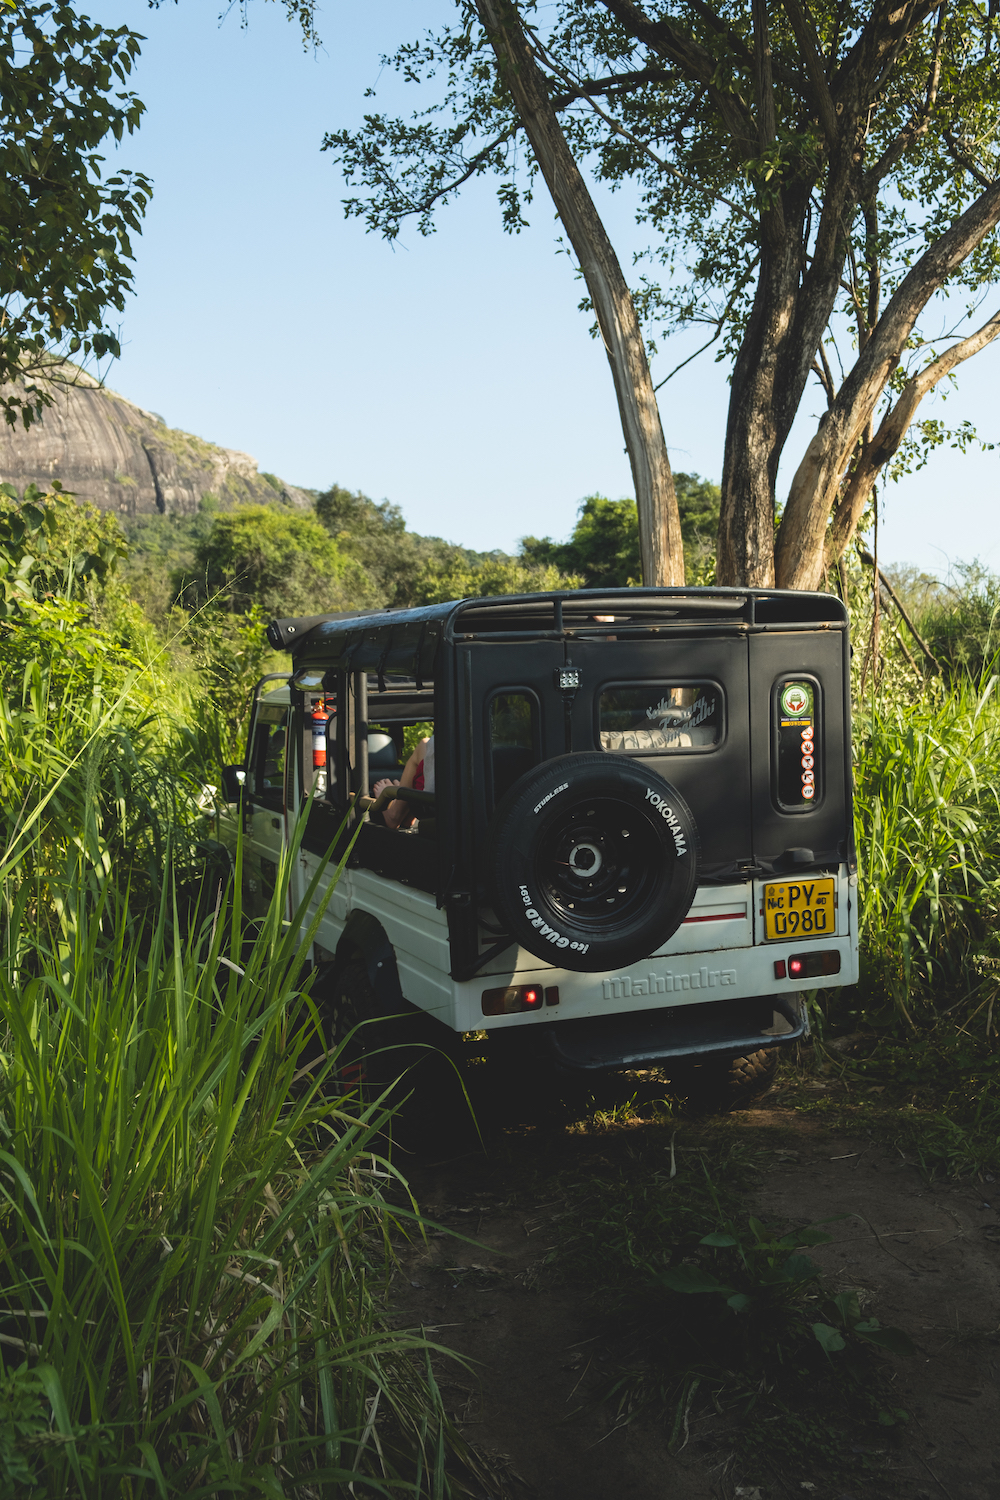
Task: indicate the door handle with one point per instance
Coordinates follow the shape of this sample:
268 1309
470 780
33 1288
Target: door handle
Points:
275 822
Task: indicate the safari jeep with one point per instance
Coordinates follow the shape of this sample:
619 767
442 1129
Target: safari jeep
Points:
638 849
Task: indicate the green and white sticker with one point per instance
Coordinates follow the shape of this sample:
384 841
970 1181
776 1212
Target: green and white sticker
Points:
795 700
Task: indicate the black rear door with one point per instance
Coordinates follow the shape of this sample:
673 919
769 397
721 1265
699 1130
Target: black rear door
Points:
511 716
679 704
799 747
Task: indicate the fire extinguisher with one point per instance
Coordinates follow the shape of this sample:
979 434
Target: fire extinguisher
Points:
320 718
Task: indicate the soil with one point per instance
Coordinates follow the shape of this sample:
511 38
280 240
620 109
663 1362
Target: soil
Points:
924 1257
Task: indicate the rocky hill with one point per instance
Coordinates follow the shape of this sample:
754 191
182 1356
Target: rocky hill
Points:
105 449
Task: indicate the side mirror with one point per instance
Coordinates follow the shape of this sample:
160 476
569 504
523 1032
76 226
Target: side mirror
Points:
233 781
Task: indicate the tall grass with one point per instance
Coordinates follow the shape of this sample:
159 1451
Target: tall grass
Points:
927 800
927 821
193 1234
194 1225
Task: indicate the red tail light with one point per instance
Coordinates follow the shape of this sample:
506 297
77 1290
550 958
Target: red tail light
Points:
518 997
812 965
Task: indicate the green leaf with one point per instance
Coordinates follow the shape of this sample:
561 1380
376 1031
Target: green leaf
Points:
848 1307
719 1241
830 1341
692 1279
810 1237
800 1268
739 1302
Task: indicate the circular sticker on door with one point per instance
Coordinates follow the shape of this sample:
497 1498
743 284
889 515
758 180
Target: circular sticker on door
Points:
794 700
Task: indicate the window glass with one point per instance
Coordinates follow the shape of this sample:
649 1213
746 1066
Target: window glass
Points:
513 738
268 771
657 718
797 744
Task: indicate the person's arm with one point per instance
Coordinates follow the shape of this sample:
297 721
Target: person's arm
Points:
398 810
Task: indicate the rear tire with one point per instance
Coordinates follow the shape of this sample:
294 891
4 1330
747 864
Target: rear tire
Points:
398 1058
716 1085
370 1053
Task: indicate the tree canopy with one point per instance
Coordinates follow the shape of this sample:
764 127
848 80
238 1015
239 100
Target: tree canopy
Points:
816 181
404 568
604 546
65 228
284 563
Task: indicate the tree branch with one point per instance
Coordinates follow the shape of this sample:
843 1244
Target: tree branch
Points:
470 171
635 140
805 35
660 542
635 79
803 527
862 72
697 63
962 159
892 429
739 47
763 77
720 324
826 376
918 125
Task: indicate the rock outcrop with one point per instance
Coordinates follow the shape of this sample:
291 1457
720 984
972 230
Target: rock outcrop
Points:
107 450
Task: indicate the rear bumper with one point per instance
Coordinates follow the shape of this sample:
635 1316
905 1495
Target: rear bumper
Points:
645 1039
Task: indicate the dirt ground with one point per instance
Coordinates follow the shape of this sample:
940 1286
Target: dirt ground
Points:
924 1257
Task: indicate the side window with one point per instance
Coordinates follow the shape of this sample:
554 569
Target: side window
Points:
656 718
796 744
267 759
511 738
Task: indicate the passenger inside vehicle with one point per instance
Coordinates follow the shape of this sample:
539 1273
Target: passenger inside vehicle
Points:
418 773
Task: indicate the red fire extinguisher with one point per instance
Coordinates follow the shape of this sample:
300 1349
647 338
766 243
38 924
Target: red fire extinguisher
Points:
320 718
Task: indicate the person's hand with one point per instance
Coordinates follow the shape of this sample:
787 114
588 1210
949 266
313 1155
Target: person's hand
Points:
380 786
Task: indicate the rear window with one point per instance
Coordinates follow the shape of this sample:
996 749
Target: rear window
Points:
654 718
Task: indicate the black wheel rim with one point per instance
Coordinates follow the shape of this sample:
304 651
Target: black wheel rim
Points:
600 863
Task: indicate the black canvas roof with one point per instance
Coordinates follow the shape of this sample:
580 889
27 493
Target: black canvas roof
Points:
404 642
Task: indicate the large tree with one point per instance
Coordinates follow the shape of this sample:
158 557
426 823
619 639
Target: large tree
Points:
65 226
816 179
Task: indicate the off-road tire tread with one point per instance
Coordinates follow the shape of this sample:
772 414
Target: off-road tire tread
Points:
734 1083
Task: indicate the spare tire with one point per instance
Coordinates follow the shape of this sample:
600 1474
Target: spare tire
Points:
592 861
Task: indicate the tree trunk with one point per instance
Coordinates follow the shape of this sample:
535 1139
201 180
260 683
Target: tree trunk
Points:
803 533
792 306
660 544
877 452
753 441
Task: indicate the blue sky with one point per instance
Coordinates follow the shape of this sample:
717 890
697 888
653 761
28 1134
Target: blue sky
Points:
452 375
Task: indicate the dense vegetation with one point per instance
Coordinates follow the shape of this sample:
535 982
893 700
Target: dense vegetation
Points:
194 1235
355 552
193 1231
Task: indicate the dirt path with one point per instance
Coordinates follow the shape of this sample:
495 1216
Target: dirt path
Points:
925 1259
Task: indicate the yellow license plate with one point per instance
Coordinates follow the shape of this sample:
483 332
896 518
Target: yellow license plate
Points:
799 909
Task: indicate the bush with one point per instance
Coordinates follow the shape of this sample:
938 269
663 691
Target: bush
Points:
962 625
286 564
